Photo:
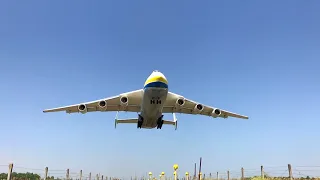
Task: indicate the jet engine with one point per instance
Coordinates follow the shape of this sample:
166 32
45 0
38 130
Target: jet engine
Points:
83 108
180 102
216 112
102 105
198 108
124 100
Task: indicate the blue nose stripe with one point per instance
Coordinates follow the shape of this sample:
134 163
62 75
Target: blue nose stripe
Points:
156 84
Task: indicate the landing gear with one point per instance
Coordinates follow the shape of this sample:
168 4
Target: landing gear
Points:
159 125
139 124
160 122
140 121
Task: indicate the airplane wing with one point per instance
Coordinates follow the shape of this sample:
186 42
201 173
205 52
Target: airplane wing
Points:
176 103
129 101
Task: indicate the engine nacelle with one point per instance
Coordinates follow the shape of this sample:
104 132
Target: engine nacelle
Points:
216 112
124 100
180 102
198 108
102 105
83 108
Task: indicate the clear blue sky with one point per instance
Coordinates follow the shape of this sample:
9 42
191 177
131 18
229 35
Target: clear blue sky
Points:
250 57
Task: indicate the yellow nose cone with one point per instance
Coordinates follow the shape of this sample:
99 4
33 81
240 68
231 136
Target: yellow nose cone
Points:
156 78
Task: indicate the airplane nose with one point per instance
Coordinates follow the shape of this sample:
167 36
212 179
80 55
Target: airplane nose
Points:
161 78
155 79
158 76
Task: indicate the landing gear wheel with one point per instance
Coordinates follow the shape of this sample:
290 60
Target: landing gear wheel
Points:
140 121
159 124
139 124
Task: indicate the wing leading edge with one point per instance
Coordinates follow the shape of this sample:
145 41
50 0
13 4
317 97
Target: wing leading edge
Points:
129 101
176 103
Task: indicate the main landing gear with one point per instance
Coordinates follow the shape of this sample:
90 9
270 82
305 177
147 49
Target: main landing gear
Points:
140 121
160 122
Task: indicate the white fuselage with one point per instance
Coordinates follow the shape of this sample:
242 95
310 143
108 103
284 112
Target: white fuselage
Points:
154 96
152 104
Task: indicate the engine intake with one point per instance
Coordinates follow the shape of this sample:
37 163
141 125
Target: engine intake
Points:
124 100
180 102
83 108
102 105
216 112
198 108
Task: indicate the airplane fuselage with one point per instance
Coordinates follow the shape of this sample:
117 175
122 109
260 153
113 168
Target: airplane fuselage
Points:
152 104
154 96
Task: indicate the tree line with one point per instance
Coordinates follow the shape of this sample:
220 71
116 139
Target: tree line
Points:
24 176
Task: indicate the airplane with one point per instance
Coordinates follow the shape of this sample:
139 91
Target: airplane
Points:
150 103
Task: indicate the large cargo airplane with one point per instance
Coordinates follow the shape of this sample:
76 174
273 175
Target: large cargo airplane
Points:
150 103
